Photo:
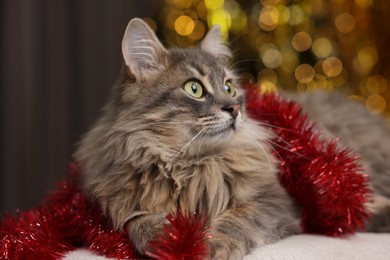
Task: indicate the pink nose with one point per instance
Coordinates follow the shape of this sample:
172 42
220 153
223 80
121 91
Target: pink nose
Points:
232 109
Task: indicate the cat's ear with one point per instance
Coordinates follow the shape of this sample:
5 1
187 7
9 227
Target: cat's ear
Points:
143 53
213 44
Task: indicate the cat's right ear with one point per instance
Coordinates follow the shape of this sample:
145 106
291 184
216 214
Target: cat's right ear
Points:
143 53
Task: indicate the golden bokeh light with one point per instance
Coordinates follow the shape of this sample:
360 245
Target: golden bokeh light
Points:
345 22
297 15
271 57
268 87
376 84
198 32
267 75
318 68
366 59
376 104
184 25
322 47
332 67
368 56
301 41
284 14
304 73
322 82
269 17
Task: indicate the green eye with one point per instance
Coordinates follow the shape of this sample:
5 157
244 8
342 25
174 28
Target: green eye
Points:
193 88
229 88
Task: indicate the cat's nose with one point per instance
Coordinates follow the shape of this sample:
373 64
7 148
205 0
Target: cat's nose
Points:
232 109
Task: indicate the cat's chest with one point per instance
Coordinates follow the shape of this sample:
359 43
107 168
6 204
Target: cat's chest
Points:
210 185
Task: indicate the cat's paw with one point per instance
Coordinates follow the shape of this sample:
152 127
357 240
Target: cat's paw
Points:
223 249
144 229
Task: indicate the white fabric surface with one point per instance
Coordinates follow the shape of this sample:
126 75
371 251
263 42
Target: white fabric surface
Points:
362 246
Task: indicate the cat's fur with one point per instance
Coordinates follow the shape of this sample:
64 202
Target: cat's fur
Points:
156 149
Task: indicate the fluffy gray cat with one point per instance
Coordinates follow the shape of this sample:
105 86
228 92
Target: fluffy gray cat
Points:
174 135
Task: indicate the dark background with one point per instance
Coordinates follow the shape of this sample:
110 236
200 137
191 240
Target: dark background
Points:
58 61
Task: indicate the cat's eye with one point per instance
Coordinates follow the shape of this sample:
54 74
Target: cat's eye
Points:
229 88
193 88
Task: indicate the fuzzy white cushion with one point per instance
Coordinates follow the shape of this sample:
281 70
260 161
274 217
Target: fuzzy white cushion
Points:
362 246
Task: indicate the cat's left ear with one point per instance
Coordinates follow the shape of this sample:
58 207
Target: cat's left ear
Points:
214 45
143 53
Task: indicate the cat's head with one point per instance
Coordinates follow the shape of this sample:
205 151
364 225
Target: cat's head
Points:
181 100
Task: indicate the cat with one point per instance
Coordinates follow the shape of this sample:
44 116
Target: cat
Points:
174 135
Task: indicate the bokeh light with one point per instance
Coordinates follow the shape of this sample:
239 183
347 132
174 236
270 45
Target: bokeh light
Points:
271 56
376 104
376 84
304 73
198 32
184 25
322 47
332 67
269 17
345 22
301 41
366 58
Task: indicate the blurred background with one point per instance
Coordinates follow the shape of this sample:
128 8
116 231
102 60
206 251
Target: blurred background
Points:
59 59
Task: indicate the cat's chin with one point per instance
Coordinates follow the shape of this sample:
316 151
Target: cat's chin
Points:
222 135
213 141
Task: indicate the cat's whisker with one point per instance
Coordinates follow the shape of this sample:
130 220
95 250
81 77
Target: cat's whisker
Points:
187 144
288 150
236 38
270 143
209 127
245 60
170 44
273 143
265 125
258 144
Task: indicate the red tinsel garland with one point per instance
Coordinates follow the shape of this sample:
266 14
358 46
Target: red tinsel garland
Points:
326 183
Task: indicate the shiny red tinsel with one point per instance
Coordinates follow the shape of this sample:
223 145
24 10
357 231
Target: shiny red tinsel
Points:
183 239
325 181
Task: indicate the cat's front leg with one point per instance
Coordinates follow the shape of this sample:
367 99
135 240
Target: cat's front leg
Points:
144 228
237 231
